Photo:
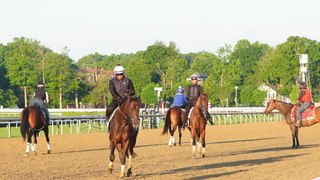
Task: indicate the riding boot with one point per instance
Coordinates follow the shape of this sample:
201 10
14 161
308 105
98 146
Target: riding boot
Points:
209 118
185 123
48 119
299 123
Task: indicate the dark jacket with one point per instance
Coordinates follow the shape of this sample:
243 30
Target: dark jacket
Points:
119 88
194 92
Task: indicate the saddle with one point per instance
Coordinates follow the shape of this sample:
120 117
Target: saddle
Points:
308 114
43 113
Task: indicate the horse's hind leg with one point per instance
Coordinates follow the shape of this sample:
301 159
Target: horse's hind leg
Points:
28 143
46 133
180 135
34 144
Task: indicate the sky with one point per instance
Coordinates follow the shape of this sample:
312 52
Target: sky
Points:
127 26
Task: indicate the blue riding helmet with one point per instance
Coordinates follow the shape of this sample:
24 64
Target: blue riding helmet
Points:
180 89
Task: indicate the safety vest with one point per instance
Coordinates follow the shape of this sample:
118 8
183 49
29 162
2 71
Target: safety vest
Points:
306 97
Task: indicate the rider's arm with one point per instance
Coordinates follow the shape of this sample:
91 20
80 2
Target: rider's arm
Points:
47 97
201 90
112 89
302 93
131 90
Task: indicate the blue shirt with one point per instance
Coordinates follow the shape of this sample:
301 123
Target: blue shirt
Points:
179 100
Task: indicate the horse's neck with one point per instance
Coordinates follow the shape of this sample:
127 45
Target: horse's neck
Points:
285 109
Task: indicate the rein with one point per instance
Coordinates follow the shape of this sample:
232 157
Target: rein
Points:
125 115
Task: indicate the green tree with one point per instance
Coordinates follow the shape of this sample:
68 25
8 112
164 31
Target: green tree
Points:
22 62
8 98
148 95
59 73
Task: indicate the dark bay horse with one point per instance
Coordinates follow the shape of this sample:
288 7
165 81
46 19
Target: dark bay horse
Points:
198 124
123 129
285 110
32 122
173 120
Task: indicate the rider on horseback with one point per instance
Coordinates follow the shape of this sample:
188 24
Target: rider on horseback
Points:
194 91
180 100
119 87
41 98
305 101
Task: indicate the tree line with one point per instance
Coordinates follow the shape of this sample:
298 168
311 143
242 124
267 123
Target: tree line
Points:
24 62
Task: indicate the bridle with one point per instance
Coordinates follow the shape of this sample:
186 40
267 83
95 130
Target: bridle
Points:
128 118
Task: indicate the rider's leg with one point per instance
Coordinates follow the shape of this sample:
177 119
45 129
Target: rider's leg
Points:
186 113
113 105
209 118
302 108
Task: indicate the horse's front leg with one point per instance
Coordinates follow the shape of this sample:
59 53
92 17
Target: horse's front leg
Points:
293 134
203 143
194 143
297 137
123 153
46 133
111 157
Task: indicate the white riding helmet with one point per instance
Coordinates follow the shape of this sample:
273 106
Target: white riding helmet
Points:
118 69
194 76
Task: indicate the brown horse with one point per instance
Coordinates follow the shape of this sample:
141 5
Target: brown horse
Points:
123 129
32 122
173 120
198 124
285 110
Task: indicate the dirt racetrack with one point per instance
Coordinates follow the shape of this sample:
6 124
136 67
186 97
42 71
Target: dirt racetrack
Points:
244 151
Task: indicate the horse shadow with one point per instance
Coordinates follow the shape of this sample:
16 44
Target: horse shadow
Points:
243 163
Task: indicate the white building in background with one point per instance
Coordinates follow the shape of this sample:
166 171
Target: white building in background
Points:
272 94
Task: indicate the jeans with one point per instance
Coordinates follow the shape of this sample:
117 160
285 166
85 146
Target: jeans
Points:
302 108
42 105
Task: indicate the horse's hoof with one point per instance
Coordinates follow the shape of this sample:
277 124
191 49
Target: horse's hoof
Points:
194 156
203 155
49 151
121 175
26 155
35 153
174 144
110 170
129 173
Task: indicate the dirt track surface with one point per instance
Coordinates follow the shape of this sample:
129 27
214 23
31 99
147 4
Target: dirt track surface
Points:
245 151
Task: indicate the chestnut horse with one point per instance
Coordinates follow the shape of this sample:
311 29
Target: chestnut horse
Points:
198 124
32 122
285 110
123 129
173 120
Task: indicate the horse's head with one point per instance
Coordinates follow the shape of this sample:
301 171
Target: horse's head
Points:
130 108
271 105
202 102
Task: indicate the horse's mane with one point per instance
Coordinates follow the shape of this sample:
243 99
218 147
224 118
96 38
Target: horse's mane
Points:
284 102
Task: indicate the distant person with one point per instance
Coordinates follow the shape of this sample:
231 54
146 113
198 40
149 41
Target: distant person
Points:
304 100
180 100
194 91
119 87
41 98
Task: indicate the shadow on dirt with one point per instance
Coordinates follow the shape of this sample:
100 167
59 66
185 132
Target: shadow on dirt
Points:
250 162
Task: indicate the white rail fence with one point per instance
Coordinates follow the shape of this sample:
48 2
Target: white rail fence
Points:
149 118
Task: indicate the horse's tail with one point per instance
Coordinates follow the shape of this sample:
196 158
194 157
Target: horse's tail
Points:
167 123
24 126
